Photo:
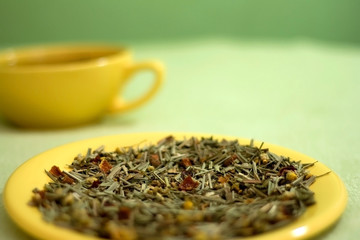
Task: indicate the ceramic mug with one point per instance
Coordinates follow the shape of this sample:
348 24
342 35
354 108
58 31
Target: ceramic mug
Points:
67 85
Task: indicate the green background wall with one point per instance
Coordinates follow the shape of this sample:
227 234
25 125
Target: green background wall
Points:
34 21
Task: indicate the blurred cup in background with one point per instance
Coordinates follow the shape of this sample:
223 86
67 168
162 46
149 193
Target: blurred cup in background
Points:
67 85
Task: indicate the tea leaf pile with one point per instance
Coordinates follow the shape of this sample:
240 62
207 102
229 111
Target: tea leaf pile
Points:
196 188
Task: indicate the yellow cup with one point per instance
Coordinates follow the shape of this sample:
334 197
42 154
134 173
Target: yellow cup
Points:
68 85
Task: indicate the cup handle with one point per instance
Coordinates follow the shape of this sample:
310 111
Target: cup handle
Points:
121 105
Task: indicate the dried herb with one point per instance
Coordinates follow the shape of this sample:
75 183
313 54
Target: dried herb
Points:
177 189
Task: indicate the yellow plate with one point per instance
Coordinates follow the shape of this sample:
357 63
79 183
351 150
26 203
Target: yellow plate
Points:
330 192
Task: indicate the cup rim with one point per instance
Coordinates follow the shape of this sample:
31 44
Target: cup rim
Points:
117 52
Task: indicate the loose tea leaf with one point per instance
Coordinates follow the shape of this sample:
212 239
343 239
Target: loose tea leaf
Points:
177 189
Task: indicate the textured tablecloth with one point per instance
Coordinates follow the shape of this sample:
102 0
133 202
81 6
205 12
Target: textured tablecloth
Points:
300 95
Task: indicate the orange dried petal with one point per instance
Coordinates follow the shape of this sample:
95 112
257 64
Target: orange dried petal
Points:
105 166
223 179
188 184
186 162
56 172
230 161
67 179
154 160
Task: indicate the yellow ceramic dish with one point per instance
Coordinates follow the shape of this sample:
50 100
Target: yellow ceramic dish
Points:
330 192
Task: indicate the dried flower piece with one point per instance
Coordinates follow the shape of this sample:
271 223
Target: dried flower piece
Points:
97 159
60 175
56 172
186 162
150 168
223 179
285 169
188 184
105 166
67 179
203 159
230 160
155 160
264 157
124 213
92 182
188 205
291 176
